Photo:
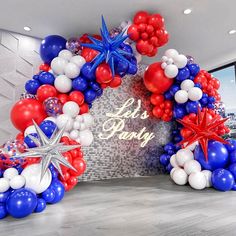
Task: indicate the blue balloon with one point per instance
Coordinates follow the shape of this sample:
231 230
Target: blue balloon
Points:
31 86
21 203
218 156
1 173
169 168
183 74
99 92
48 195
232 169
51 46
231 146
177 138
54 172
168 95
46 78
211 99
4 196
59 190
179 111
90 105
30 143
169 146
3 211
174 88
41 205
222 180
94 86
127 48
89 96
87 71
164 159
232 156
210 106
234 187
198 85
79 84
36 77
121 66
192 107
194 69
48 127
132 69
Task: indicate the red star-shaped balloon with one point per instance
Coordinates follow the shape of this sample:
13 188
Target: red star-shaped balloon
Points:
203 131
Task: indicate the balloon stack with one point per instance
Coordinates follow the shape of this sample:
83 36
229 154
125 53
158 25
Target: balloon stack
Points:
197 154
148 31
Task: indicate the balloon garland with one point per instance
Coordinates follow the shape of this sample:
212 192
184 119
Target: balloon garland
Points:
46 158
197 153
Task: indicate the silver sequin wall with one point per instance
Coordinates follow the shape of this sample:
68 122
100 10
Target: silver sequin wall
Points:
115 158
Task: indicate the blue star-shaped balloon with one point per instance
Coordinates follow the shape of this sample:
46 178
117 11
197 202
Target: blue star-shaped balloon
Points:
109 48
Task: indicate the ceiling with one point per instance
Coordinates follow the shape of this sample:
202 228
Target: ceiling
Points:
203 34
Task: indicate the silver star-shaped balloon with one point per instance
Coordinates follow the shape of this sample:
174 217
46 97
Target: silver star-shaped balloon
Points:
49 150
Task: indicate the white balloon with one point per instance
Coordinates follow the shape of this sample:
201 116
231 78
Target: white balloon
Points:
192 166
78 140
191 146
195 94
64 120
63 84
71 108
207 174
32 174
180 177
171 53
187 84
163 65
74 134
58 65
76 125
71 70
164 59
79 118
83 126
183 155
88 119
197 180
29 130
172 171
53 119
169 61
181 96
86 137
65 54
173 161
66 134
17 182
4 185
180 61
171 71
78 60
10 173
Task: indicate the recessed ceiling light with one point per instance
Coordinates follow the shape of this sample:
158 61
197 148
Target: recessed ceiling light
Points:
233 31
187 11
27 28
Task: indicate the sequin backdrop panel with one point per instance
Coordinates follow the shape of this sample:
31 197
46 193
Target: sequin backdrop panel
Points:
115 158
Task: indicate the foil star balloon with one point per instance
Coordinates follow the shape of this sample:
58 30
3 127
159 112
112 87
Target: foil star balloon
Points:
203 131
109 48
50 150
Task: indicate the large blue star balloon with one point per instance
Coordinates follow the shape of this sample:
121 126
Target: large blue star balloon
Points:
110 48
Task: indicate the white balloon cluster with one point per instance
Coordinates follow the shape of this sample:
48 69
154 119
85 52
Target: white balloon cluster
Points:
172 61
186 169
66 67
76 126
188 91
11 179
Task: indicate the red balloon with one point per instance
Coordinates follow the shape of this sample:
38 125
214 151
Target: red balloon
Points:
20 137
103 73
44 67
144 47
155 79
140 17
77 97
80 165
156 20
157 99
157 112
116 82
26 110
63 98
84 108
69 158
89 54
133 32
72 181
45 91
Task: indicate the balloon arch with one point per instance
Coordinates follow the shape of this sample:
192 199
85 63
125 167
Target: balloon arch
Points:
53 118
